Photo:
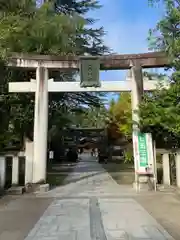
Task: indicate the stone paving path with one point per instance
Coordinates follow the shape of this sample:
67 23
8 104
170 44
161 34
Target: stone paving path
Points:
95 207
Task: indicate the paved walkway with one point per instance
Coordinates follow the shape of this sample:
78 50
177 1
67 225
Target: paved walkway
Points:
87 180
94 207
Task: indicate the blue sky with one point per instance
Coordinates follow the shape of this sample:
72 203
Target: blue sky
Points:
126 23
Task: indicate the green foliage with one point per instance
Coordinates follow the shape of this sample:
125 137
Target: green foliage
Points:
160 113
128 156
41 32
45 30
90 40
160 110
93 117
166 35
120 114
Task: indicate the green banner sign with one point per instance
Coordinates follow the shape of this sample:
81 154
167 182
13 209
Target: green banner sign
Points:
143 151
89 72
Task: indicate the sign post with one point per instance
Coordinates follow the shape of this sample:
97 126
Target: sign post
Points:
151 156
144 160
136 156
89 71
142 147
143 153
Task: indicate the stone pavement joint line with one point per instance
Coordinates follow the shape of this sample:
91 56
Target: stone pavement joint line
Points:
96 225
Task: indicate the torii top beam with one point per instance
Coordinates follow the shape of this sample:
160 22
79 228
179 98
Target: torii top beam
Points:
107 62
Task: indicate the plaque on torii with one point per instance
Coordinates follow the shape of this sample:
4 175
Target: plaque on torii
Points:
89 72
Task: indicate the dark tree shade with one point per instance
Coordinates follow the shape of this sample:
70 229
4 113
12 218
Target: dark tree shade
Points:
27 29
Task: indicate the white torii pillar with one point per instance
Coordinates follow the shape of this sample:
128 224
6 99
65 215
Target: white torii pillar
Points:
40 126
136 94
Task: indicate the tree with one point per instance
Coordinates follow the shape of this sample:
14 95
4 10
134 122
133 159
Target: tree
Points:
26 29
159 114
91 39
120 115
160 110
91 117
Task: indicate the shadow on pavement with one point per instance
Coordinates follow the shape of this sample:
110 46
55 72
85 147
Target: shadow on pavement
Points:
72 178
86 168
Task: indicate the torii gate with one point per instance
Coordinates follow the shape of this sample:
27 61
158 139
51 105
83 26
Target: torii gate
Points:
42 85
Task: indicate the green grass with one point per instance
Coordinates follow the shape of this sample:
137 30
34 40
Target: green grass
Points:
56 177
120 167
122 173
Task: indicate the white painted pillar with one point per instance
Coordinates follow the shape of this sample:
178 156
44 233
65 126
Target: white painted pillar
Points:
178 169
166 169
29 153
15 170
136 95
40 126
2 171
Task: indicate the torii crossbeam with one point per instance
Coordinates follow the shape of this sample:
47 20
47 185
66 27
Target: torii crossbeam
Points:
106 86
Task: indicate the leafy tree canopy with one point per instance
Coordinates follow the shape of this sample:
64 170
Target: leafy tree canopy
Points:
160 110
25 28
120 116
91 117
